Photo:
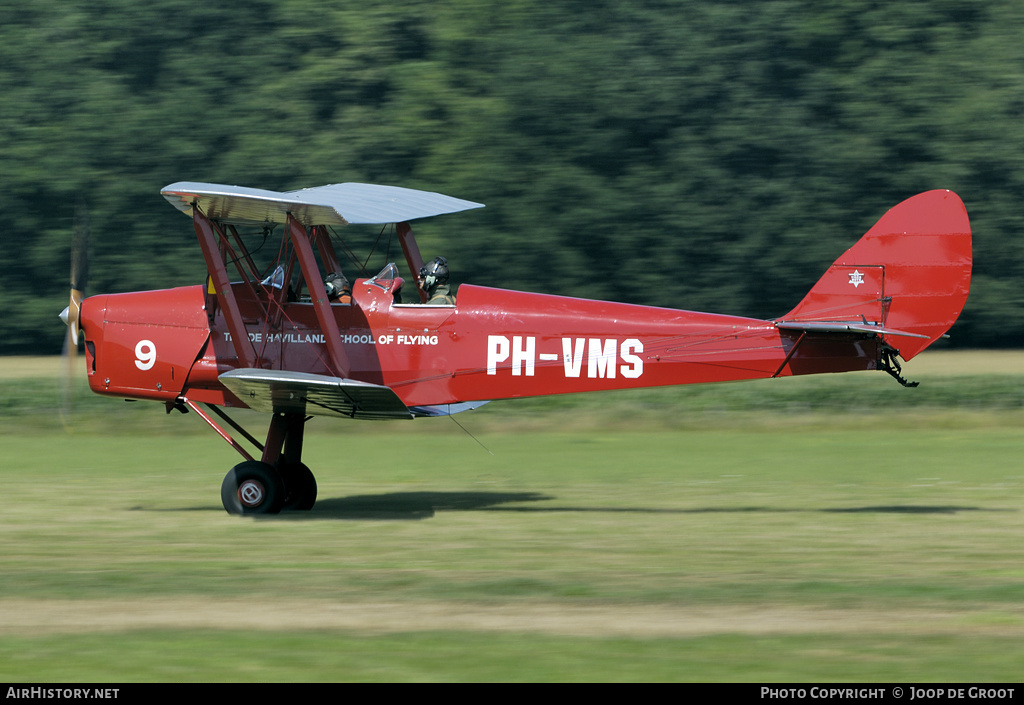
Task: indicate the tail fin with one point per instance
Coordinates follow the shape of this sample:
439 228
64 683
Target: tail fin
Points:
906 279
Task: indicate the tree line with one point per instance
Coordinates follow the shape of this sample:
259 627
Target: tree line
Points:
714 156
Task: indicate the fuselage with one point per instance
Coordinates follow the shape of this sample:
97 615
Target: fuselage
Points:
493 344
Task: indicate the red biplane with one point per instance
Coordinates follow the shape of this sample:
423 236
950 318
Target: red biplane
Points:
270 338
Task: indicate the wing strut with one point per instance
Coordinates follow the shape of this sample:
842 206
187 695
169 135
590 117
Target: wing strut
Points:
323 243
225 294
412 253
317 292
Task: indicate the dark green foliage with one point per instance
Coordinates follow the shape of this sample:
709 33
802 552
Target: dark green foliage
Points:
703 155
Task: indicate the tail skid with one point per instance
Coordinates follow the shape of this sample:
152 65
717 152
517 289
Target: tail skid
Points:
908 277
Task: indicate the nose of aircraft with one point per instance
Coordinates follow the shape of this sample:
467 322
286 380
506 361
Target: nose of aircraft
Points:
72 314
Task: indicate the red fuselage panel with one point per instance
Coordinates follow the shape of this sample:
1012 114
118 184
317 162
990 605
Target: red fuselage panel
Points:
142 345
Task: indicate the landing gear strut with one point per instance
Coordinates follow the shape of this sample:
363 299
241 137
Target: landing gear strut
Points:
279 480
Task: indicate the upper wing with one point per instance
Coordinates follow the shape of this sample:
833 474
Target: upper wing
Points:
336 204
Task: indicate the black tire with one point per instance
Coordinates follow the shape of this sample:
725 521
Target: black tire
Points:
252 487
300 487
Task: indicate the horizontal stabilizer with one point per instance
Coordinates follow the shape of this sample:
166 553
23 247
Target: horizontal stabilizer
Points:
446 409
843 327
317 395
336 204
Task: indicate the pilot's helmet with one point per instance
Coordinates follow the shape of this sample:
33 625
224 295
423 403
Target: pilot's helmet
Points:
434 272
336 284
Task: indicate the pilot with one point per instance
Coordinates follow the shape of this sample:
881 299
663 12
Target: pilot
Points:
433 279
339 291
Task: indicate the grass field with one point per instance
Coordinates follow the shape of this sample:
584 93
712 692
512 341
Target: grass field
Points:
837 528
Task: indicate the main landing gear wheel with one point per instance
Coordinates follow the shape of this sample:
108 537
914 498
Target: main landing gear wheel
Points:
253 487
300 487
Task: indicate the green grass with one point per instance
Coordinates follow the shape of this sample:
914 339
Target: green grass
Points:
323 656
700 536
